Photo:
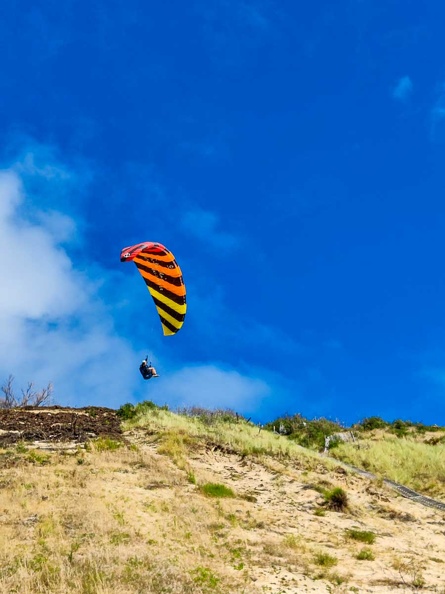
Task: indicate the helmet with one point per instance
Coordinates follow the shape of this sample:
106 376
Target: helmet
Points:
144 361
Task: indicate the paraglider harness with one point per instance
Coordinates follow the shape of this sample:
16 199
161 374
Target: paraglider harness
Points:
146 370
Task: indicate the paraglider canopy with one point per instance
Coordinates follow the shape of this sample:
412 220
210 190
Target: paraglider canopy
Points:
164 281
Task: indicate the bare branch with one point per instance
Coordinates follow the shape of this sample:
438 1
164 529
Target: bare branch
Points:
9 400
30 397
44 396
27 395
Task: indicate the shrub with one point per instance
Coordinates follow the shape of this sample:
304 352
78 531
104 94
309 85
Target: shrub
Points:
400 428
336 499
129 411
287 425
315 433
371 423
126 411
309 434
149 405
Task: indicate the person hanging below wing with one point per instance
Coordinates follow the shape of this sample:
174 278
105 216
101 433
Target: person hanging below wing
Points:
147 370
163 278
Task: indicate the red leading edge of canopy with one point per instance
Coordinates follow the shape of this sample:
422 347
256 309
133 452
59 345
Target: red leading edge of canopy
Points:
129 253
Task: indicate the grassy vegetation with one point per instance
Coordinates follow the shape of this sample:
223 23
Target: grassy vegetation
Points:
70 528
336 499
199 427
409 453
365 555
305 432
104 444
216 490
365 536
416 464
325 560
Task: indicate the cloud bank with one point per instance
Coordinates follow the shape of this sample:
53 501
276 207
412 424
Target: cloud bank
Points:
54 328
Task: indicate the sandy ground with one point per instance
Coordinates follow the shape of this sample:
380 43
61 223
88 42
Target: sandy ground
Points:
410 540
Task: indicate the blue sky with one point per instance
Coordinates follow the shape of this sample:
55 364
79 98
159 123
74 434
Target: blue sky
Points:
289 154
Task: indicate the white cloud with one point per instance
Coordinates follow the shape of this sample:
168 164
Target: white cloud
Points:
35 272
61 227
402 89
212 387
10 196
204 225
53 325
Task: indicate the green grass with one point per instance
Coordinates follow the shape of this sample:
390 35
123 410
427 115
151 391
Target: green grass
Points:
235 435
365 555
205 577
106 444
325 560
216 490
418 465
365 536
39 458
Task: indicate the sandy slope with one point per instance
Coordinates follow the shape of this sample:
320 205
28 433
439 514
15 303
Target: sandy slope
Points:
136 521
409 548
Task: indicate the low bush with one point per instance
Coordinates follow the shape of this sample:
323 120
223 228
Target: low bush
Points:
336 499
130 411
400 428
126 411
309 434
371 423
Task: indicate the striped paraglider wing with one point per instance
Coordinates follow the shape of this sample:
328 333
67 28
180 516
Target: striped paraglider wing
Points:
163 278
